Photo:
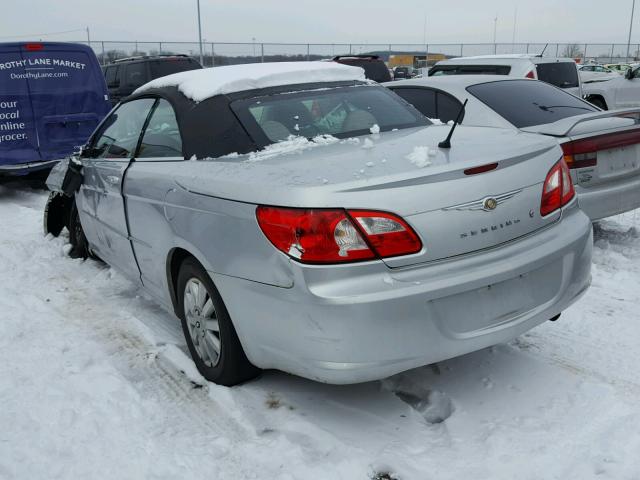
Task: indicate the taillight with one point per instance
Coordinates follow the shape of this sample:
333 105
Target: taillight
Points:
530 74
336 235
584 152
557 190
388 234
33 47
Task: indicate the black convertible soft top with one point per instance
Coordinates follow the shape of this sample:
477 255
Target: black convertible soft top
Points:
210 128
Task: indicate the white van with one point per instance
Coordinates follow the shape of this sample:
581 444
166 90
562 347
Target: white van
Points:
561 72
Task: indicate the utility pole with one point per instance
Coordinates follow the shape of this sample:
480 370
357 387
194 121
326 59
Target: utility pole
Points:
200 34
424 30
89 37
633 6
513 37
495 27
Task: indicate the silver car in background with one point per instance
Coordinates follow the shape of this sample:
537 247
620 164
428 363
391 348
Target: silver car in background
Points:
602 149
297 217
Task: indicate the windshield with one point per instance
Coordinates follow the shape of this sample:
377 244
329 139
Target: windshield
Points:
529 102
341 112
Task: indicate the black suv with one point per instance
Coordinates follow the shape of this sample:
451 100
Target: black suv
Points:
374 68
125 75
403 72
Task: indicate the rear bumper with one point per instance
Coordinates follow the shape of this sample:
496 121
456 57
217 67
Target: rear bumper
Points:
605 200
353 324
24 168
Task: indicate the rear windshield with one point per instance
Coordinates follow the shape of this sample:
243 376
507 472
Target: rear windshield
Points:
560 74
469 70
375 70
160 68
528 102
341 112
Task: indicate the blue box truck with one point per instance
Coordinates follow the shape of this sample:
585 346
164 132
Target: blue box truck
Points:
52 96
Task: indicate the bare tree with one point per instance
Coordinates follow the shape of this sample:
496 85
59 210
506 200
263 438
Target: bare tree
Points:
572 50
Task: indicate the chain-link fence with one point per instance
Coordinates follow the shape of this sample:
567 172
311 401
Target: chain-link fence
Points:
223 53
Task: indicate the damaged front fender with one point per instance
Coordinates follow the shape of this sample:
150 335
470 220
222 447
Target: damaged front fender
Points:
66 177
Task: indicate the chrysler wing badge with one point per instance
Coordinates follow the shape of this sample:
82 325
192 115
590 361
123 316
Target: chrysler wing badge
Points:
487 204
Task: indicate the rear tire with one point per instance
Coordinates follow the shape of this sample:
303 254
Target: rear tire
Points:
208 330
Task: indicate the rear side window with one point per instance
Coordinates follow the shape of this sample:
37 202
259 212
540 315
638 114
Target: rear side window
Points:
136 74
160 68
469 70
528 102
424 99
162 136
111 76
431 103
448 107
560 74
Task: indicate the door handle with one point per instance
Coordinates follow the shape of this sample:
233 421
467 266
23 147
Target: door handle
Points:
112 179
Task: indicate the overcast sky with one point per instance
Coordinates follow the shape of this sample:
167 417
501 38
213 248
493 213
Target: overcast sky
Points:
323 21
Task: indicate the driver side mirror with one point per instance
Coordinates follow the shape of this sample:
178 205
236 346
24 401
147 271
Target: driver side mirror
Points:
629 74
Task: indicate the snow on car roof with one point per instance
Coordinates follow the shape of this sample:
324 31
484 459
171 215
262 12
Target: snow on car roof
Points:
456 80
511 57
199 85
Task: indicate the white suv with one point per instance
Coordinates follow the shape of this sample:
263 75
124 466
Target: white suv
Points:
561 72
616 92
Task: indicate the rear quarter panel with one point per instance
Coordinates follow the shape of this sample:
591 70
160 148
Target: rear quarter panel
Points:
222 235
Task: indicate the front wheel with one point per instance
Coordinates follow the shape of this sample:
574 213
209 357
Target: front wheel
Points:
79 244
208 330
598 102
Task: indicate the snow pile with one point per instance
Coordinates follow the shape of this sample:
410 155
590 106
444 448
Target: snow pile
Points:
198 85
375 129
291 145
95 382
419 156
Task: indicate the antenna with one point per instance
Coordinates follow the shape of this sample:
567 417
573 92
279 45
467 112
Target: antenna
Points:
542 52
446 143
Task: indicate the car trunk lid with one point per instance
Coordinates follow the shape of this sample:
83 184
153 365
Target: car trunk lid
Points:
599 147
441 193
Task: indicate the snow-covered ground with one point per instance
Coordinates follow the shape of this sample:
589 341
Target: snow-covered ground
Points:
94 383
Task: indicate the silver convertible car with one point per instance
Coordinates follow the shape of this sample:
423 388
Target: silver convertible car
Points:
602 149
295 216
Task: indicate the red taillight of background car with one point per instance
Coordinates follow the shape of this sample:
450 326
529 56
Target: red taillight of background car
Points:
34 47
530 74
584 152
337 235
557 190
